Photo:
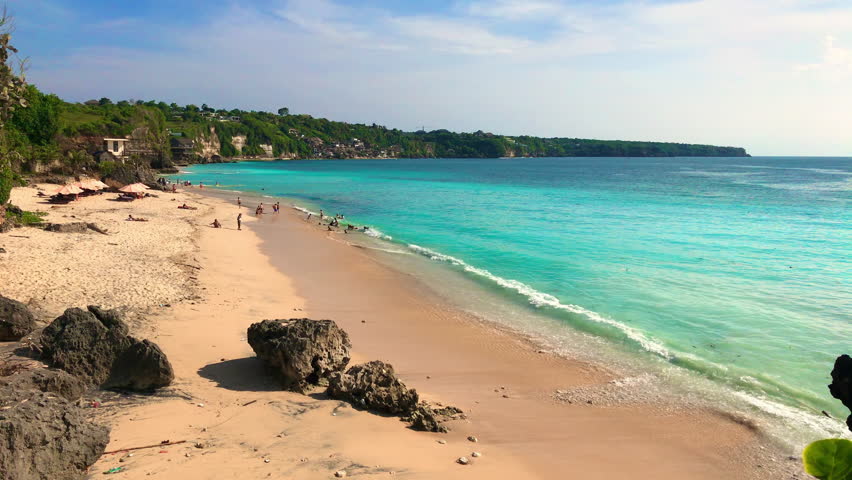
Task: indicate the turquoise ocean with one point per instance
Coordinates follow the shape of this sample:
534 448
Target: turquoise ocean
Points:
731 278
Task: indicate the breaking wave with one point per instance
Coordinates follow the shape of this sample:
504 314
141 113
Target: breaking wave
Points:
541 299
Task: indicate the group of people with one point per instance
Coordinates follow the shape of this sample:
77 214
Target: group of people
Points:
276 207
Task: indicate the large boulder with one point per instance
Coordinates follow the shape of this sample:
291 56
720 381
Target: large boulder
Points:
373 386
142 366
841 383
303 353
16 321
94 345
43 436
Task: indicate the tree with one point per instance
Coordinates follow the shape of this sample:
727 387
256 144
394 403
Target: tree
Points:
39 122
104 101
283 111
12 97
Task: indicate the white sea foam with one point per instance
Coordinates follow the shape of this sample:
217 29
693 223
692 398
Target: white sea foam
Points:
303 210
372 232
824 426
541 299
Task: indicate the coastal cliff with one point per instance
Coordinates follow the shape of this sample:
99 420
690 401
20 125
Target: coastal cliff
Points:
54 136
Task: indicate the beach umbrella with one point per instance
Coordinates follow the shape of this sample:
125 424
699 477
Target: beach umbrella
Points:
133 188
91 184
70 189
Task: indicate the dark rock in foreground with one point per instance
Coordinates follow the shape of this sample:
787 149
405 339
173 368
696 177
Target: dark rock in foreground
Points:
841 383
373 386
303 353
94 345
429 418
142 366
43 436
16 321
59 382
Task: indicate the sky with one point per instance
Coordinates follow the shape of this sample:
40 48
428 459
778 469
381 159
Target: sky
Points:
772 76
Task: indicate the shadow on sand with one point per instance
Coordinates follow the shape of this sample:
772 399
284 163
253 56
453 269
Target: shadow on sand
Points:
241 375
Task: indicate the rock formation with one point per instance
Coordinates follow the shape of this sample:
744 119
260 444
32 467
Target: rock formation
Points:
43 436
142 366
301 352
430 418
94 345
59 382
841 383
16 321
373 386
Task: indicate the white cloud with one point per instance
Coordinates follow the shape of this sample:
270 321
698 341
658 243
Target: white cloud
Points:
836 61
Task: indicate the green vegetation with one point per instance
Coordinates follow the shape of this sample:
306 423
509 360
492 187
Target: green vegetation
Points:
829 459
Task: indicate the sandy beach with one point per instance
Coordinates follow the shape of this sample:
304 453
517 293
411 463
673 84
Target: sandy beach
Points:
194 290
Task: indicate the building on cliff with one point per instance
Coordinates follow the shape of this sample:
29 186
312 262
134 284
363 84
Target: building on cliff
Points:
116 146
183 149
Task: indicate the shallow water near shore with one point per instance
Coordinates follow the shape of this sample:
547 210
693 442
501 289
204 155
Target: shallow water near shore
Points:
727 273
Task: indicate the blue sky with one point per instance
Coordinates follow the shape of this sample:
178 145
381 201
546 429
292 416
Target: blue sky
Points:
769 75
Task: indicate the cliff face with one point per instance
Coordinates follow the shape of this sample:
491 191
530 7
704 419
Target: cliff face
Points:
208 145
239 142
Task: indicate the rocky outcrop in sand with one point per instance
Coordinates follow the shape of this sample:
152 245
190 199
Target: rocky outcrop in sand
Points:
43 436
301 352
841 383
373 386
16 321
94 345
430 418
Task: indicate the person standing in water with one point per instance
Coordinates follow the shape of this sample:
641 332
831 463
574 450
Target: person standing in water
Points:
240 221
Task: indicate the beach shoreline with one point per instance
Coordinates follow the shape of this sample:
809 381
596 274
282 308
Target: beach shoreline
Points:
281 267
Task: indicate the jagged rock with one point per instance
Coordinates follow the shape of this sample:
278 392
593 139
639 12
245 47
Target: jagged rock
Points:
15 320
46 380
142 366
841 383
73 227
429 418
43 436
301 352
94 345
373 386
126 174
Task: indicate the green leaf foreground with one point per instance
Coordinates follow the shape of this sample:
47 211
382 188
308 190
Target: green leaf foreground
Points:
829 459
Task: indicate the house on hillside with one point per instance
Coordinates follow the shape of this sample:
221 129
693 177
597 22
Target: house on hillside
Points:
183 149
116 146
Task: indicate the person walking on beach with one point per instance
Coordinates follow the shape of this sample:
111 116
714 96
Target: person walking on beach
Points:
239 203
240 221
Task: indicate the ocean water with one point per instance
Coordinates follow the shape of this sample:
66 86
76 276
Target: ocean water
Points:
734 271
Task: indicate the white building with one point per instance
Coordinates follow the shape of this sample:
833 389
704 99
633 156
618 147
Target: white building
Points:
116 146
